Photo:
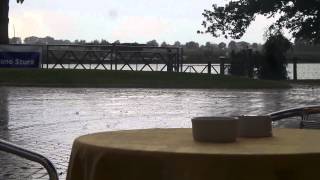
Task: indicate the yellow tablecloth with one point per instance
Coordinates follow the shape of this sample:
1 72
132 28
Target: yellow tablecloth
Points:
172 154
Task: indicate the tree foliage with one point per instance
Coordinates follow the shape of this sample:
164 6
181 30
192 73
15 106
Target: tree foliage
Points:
153 43
300 17
177 44
232 45
274 63
238 63
244 62
192 45
222 45
164 44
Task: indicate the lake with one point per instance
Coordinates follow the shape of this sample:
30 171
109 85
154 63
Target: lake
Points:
48 119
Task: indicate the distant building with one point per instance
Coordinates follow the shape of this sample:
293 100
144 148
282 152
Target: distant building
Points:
31 40
15 40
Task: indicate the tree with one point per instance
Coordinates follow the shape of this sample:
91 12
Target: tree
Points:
31 40
238 64
96 42
300 17
82 41
222 45
164 44
274 63
208 45
243 45
104 42
4 20
47 40
232 46
192 45
177 44
255 46
15 40
153 43
117 42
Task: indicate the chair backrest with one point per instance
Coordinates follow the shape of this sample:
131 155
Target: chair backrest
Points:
32 156
303 112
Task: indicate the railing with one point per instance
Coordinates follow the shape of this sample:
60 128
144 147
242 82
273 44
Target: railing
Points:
201 68
32 156
120 57
124 57
113 57
303 112
206 68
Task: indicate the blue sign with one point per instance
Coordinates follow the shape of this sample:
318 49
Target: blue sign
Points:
20 59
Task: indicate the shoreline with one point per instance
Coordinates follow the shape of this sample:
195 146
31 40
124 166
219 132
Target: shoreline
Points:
133 86
129 79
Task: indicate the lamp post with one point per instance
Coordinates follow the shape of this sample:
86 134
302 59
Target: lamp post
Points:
14 31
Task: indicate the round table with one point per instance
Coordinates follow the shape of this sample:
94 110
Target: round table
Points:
172 154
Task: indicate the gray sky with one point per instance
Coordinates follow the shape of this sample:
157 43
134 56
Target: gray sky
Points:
125 20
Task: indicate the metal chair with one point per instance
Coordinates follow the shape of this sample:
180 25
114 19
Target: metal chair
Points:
303 112
32 156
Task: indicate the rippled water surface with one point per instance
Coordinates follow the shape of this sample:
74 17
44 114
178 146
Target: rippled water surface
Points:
48 119
83 110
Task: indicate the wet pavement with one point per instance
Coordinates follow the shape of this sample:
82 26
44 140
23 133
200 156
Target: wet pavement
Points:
47 120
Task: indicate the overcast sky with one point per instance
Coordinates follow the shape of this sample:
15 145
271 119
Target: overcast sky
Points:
124 20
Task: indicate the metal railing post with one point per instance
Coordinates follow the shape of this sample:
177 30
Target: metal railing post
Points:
209 67
115 56
182 59
177 59
47 56
295 76
222 61
170 61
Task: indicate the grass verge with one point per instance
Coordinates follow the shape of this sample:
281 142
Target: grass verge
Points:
128 79
311 82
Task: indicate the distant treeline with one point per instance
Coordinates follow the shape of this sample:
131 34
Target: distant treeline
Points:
193 51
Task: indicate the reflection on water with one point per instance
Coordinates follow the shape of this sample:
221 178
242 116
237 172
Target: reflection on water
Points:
4 108
304 70
11 166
